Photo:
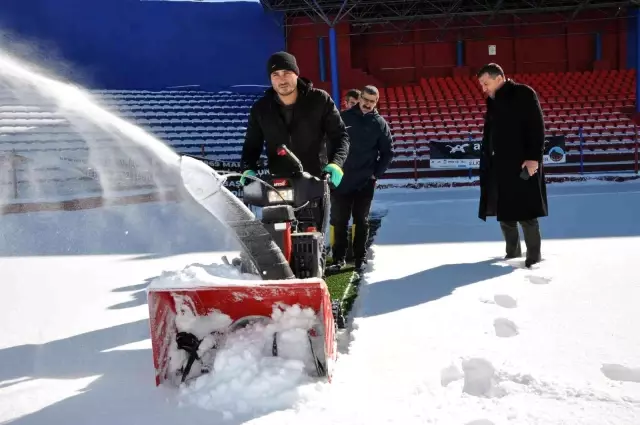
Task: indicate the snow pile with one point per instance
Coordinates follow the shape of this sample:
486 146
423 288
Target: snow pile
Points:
236 371
198 275
456 335
498 343
245 377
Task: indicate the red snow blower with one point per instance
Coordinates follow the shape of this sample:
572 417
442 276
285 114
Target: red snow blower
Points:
285 253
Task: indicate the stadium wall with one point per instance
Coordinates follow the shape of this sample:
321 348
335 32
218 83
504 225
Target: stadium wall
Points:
382 54
134 44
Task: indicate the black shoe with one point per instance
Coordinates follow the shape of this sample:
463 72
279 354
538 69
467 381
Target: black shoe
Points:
531 261
513 253
336 266
359 266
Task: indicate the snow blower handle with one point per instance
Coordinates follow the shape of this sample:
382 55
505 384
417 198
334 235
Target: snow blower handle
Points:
284 152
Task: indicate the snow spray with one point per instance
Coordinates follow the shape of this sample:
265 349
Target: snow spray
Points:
104 144
89 148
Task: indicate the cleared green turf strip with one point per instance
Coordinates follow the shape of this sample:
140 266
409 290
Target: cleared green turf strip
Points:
338 283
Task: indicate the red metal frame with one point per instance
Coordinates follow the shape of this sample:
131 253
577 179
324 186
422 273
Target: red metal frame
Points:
237 301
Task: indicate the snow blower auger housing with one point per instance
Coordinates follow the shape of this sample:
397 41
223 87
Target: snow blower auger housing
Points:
283 263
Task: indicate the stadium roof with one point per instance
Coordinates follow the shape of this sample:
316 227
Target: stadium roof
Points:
385 11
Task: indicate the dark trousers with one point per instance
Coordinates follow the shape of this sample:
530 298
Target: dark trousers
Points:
343 206
532 238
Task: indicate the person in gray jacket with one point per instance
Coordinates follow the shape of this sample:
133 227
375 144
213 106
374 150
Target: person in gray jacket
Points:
369 156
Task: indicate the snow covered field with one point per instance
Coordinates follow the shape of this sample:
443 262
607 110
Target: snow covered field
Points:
445 332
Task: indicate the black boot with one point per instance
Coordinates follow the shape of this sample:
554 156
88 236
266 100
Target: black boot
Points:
511 238
532 240
359 265
336 265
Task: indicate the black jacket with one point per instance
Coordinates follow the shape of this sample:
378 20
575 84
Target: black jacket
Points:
370 148
314 116
513 132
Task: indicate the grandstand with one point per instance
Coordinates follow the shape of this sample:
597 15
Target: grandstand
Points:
591 109
429 94
203 124
212 125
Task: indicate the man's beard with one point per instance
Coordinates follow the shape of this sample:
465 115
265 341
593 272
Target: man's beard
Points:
286 90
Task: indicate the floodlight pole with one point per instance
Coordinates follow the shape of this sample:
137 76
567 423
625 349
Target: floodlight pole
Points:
323 76
333 54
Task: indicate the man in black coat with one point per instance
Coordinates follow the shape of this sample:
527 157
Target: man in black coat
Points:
370 155
512 184
294 113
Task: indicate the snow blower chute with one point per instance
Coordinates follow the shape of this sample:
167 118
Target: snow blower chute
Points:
283 253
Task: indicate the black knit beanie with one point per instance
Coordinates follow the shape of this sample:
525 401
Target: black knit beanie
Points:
282 61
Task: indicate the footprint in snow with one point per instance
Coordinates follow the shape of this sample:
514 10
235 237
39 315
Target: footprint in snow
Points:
450 374
505 301
480 378
621 373
539 280
480 422
505 328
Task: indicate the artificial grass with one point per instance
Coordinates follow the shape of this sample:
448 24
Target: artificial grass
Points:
339 283
349 296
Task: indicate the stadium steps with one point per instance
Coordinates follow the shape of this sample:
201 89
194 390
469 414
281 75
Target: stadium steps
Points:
589 106
49 150
446 109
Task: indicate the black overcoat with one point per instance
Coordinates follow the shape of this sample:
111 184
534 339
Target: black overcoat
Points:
513 132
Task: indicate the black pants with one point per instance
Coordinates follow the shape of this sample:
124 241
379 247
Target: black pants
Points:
532 238
343 206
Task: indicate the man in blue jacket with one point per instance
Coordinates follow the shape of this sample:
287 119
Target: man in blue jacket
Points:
370 155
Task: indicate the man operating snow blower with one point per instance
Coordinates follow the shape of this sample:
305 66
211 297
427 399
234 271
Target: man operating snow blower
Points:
295 114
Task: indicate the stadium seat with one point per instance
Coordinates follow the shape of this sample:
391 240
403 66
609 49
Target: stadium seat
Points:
588 108
591 103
